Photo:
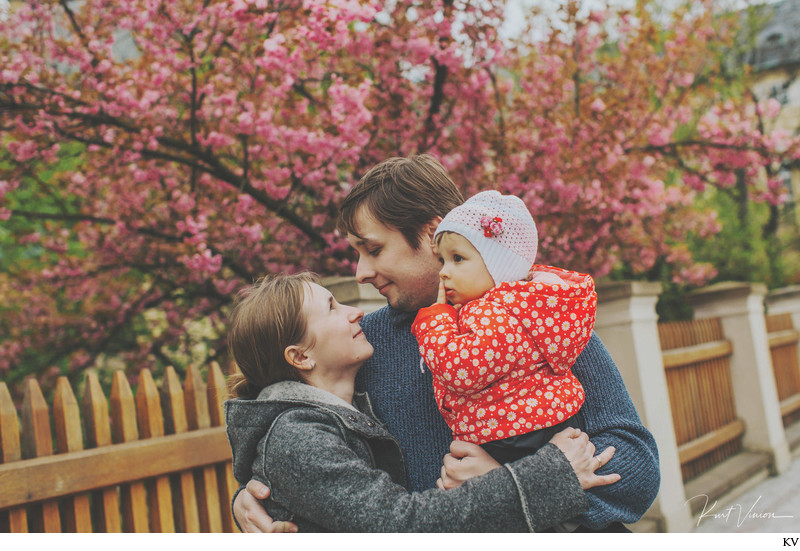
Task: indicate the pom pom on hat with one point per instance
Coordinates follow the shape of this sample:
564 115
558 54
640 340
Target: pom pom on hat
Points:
502 230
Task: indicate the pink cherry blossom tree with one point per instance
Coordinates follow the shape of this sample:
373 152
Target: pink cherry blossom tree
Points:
159 155
618 120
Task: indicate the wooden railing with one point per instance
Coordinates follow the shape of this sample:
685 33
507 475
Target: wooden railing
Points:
159 462
697 363
783 340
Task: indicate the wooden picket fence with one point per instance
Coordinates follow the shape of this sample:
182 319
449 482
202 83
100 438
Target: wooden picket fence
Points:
697 363
783 341
159 462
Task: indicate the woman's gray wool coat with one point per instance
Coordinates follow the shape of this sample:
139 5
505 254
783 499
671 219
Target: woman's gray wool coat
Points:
334 467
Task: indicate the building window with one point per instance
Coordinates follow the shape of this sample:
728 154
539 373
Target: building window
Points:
779 94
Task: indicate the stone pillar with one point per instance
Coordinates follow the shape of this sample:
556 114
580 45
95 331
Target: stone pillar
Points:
740 307
346 290
627 324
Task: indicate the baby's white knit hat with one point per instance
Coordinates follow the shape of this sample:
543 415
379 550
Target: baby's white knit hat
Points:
501 228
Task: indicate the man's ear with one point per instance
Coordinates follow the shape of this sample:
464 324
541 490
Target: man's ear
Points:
430 229
296 357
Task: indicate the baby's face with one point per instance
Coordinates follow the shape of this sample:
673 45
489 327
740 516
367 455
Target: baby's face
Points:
463 272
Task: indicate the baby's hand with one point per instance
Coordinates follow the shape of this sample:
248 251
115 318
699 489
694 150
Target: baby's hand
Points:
442 298
545 277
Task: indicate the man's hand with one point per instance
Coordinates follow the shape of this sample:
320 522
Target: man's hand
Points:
252 516
575 445
464 461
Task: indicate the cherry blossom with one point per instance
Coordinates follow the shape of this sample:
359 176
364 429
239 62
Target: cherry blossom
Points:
159 155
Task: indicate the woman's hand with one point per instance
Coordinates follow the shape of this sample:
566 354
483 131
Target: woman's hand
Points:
252 516
464 461
575 445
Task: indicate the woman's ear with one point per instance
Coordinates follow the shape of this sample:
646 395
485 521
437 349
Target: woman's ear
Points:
296 357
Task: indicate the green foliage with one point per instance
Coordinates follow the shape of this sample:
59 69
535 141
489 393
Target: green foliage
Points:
29 197
750 246
741 251
671 305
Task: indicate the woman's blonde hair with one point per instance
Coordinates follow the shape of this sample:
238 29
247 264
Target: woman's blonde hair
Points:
266 318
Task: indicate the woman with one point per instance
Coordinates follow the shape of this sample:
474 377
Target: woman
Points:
299 427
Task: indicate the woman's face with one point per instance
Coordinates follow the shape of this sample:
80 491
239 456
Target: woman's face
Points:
337 342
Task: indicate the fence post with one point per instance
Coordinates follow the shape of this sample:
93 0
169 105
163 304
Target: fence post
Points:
98 433
151 422
627 323
37 442
69 438
10 450
187 517
206 478
133 496
217 394
740 308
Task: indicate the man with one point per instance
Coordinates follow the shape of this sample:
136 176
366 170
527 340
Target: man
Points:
390 217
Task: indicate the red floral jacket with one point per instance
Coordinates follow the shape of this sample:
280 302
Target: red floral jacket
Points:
501 365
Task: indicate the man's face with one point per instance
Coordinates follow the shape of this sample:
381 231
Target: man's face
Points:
408 278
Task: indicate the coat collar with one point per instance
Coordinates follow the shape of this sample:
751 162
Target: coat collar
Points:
294 390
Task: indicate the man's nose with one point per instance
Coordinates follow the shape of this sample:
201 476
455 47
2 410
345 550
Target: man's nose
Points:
364 271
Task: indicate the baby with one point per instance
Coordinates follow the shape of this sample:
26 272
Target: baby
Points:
504 334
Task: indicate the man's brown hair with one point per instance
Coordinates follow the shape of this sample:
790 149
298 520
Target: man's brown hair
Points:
404 193
266 318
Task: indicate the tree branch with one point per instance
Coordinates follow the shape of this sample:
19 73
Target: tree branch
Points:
236 268
671 148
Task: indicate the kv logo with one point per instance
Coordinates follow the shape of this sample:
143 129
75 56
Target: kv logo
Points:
790 542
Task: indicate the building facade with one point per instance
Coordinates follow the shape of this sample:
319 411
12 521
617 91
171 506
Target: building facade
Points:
775 61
